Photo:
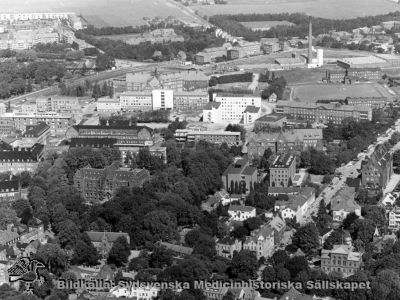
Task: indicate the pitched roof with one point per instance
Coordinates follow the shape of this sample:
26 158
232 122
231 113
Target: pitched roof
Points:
177 248
36 130
211 105
344 200
7 236
92 142
379 158
97 236
251 109
241 208
9 185
271 118
293 294
284 190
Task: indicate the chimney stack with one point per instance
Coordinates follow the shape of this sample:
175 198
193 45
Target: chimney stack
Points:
309 41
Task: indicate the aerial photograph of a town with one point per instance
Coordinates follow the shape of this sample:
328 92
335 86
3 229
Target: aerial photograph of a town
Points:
200 149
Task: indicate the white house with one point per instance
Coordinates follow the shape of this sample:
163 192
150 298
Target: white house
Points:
394 218
272 98
108 105
297 204
241 213
389 199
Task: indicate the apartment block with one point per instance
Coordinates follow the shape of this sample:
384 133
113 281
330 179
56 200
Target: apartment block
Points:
377 169
282 170
323 113
284 141
215 137
163 99
135 101
17 160
58 122
228 108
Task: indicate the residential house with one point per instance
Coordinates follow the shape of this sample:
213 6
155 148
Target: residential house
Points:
341 259
389 200
239 177
241 213
227 246
379 240
99 185
279 226
135 292
261 241
343 203
103 241
297 204
282 170
378 168
245 293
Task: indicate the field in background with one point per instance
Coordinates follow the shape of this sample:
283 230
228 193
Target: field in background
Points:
101 12
339 9
312 93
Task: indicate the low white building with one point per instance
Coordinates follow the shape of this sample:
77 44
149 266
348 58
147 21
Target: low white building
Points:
241 213
163 99
136 101
108 105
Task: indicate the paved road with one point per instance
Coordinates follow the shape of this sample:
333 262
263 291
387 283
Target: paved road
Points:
100 76
351 170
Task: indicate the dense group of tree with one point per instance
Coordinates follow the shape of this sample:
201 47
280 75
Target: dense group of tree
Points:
195 40
16 78
276 85
231 24
356 136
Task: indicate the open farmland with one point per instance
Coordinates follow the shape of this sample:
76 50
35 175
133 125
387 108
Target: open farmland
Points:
102 12
339 9
312 93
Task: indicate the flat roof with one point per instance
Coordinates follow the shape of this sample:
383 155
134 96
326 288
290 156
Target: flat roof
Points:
362 60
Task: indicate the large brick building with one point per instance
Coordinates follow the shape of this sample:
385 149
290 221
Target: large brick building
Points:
323 113
378 168
282 170
280 142
99 185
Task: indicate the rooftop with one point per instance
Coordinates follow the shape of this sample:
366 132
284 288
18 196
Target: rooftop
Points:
251 109
344 200
9 185
241 208
36 130
98 236
323 106
362 60
271 118
283 161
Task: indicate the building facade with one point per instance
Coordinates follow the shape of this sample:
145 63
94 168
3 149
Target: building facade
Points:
323 113
261 242
378 168
239 177
282 170
227 246
241 213
216 137
232 108
341 259
99 185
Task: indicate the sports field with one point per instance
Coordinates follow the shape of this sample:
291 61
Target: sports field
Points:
101 12
321 91
338 9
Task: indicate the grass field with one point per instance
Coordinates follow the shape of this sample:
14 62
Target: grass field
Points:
101 12
312 93
339 9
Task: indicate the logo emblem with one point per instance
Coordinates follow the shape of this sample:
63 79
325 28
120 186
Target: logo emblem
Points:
26 270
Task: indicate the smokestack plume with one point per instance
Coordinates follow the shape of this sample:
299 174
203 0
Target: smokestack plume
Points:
309 41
